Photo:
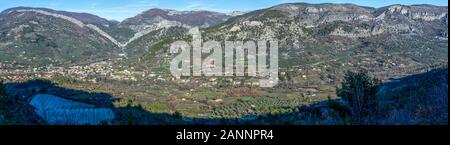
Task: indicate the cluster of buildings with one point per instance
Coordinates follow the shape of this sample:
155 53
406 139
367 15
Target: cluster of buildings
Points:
79 72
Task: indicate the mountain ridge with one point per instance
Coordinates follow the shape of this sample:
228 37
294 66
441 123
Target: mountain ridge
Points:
302 21
318 45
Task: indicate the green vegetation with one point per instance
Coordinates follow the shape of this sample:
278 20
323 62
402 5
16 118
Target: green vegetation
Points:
273 14
14 111
341 110
246 99
248 106
158 107
328 28
155 41
417 99
121 34
359 90
206 94
152 51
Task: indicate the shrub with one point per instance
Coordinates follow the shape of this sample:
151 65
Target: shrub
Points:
359 90
341 109
158 107
273 15
2 89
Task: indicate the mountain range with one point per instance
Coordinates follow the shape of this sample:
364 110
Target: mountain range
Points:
307 33
43 36
79 59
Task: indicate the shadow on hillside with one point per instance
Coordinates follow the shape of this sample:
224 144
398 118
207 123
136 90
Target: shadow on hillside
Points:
25 90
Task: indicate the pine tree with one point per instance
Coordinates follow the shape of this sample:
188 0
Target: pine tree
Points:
359 90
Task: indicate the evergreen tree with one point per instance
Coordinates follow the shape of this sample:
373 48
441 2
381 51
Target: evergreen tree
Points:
359 90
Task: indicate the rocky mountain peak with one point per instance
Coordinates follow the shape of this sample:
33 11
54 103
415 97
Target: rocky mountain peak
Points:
414 12
83 17
235 13
189 18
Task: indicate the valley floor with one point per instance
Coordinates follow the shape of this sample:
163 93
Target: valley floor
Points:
160 102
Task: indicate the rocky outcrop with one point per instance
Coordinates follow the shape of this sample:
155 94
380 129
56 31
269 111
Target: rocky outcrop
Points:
75 21
159 23
190 18
156 19
363 21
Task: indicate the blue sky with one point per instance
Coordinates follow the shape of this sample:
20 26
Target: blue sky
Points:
121 9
